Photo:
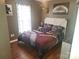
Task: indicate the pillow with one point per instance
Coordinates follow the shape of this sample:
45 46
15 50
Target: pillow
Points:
57 28
59 31
46 28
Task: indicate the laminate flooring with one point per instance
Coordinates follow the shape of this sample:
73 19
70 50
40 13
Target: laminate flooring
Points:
23 52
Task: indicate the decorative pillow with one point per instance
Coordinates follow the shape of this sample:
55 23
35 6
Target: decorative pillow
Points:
59 31
57 28
46 28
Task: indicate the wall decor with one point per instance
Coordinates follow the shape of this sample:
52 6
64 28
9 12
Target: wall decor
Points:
9 10
61 8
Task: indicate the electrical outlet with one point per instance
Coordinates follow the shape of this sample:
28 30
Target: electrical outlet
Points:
12 35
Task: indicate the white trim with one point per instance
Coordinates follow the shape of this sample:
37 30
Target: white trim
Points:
12 41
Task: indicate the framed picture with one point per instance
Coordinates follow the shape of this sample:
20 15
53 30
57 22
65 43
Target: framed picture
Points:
9 10
61 8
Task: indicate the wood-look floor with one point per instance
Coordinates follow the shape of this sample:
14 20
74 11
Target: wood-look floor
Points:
23 52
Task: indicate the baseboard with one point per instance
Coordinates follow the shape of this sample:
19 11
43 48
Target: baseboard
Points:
15 40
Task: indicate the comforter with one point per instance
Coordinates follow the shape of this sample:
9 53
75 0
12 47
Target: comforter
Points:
39 39
43 39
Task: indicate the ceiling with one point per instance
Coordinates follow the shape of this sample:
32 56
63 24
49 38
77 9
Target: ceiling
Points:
43 0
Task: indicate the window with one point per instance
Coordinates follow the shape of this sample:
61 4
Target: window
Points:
24 17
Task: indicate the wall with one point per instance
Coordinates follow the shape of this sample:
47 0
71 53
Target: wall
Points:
12 20
74 54
4 37
77 1
45 8
71 17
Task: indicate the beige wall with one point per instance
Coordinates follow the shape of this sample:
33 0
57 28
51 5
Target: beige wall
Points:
12 20
74 54
2 1
71 17
4 37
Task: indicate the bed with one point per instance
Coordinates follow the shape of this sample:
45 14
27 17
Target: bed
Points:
46 36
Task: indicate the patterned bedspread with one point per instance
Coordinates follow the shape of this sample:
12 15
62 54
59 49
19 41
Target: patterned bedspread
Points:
43 38
36 38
